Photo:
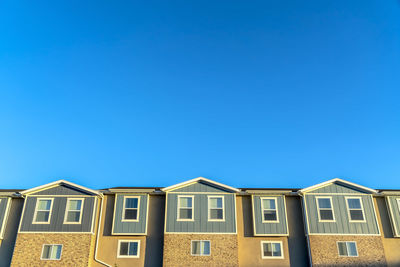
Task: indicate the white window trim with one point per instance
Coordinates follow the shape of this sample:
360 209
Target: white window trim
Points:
128 256
209 209
36 210
177 216
200 255
318 209
271 257
347 248
362 210
67 209
41 255
276 209
123 209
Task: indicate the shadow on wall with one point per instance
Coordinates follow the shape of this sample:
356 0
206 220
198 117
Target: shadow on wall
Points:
109 215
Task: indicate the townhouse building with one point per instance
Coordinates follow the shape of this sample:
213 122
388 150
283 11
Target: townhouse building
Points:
200 222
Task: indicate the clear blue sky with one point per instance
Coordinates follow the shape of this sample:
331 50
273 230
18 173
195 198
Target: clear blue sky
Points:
249 93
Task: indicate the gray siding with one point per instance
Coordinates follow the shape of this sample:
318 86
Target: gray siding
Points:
57 216
61 190
121 227
338 188
3 207
269 228
394 213
342 225
200 223
201 187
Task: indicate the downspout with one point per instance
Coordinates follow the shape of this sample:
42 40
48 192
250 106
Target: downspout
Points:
98 235
305 222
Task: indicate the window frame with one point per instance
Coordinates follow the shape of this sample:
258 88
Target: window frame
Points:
362 209
276 209
67 210
318 208
209 209
52 245
347 248
199 255
124 208
282 256
36 210
129 241
178 209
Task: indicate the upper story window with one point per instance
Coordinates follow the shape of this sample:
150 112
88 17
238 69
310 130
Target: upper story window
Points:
43 210
51 252
185 208
201 248
130 210
347 249
269 209
128 248
271 250
216 208
355 209
325 209
73 212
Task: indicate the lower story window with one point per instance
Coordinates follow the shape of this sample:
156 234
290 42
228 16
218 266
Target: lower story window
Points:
201 248
128 248
271 250
347 249
51 252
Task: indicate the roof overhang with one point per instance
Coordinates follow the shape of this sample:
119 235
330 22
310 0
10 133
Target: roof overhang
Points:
200 179
341 181
59 182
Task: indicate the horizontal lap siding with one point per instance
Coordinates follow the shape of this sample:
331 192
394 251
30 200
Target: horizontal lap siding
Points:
60 190
57 216
121 227
201 187
337 188
270 228
200 223
395 213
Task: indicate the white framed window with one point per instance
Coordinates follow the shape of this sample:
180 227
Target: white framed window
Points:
185 208
269 210
355 209
271 250
51 252
128 248
73 211
347 248
325 209
216 208
130 209
43 211
201 248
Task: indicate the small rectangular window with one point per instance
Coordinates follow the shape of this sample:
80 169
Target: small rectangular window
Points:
269 209
73 211
271 250
201 248
185 208
128 248
43 210
355 209
131 209
51 252
347 249
325 209
215 208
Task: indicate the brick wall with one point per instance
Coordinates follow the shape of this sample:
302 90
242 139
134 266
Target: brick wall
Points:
75 252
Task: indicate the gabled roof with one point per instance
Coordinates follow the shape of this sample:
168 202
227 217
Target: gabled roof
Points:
340 181
200 179
59 182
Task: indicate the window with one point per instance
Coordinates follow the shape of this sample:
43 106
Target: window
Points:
43 210
185 208
355 209
128 248
271 250
131 209
51 252
201 248
269 210
347 249
216 208
325 210
73 211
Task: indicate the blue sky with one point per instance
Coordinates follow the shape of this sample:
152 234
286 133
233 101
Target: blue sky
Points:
152 93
